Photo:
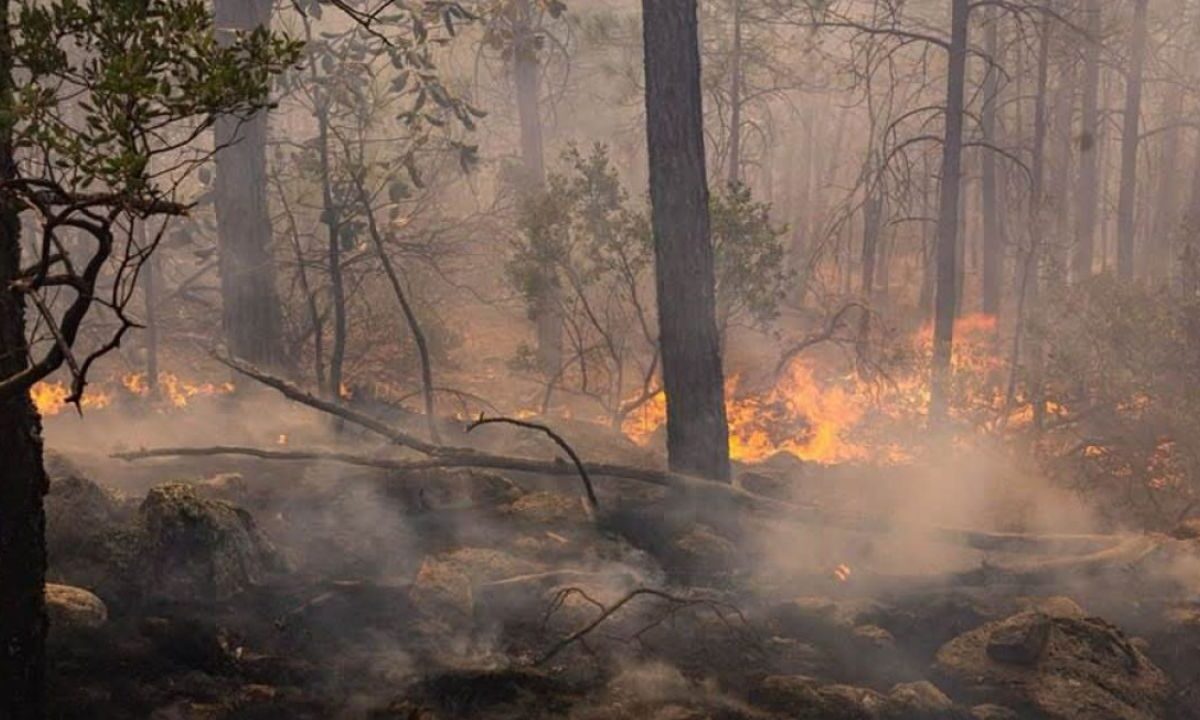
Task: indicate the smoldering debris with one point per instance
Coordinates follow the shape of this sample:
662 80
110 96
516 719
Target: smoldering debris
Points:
310 590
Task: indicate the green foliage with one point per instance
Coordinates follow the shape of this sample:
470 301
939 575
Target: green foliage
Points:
107 84
751 274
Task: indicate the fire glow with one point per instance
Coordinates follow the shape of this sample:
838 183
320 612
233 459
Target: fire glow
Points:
171 391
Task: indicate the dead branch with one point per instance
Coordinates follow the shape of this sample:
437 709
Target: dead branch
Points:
789 513
836 323
292 392
675 604
583 474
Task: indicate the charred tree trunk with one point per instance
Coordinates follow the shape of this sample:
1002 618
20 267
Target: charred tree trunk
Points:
946 291
1130 128
1088 199
22 475
697 432
526 77
251 313
993 241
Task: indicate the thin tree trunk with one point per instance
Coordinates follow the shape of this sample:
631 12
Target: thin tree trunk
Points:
697 431
1130 129
251 313
1088 198
993 241
735 98
150 288
410 316
1164 218
331 218
547 317
22 476
946 292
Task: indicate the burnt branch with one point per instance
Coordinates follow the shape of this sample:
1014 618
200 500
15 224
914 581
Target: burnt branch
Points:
558 439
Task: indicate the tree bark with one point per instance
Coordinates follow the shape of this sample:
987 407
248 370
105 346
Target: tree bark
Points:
251 313
1087 201
23 482
993 241
697 431
1130 129
945 292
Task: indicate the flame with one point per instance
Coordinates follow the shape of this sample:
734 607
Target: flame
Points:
282 439
50 398
797 416
842 573
826 418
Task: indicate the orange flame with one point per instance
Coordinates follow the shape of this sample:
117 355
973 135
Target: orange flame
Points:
50 398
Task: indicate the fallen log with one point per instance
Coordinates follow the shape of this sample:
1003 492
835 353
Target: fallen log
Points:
697 490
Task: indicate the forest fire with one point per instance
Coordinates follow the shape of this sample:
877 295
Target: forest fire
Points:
50 398
173 392
820 416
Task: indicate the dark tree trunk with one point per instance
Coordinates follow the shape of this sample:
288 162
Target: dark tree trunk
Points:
1088 199
150 288
946 262
22 476
697 432
1130 129
250 302
993 241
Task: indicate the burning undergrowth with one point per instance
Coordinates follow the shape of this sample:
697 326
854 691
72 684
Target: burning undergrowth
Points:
240 587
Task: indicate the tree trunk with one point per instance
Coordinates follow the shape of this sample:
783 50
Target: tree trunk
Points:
946 262
22 476
697 432
1130 129
1088 199
251 313
735 98
993 241
1165 199
150 288
547 317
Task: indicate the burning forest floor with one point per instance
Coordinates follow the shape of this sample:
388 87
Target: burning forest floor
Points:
221 586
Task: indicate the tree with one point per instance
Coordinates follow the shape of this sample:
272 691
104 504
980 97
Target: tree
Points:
81 133
250 302
697 431
946 293
1130 137
1088 197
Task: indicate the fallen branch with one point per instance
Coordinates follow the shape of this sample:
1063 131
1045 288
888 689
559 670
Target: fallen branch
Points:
583 474
701 490
292 392
675 604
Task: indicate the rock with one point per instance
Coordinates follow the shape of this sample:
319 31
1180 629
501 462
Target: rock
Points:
700 548
71 607
1188 529
77 510
804 698
993 712
441 593
224 486
1054 606
918 701
198 549
444 489
1083 664
547 508
1020 640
